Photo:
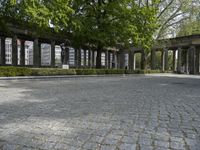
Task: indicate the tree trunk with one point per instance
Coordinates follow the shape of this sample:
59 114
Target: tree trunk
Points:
98 58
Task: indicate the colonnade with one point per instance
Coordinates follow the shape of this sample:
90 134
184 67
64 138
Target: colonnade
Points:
36 52
185 59
85 59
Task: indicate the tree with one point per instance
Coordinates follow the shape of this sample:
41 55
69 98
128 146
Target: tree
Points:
100 23
40 14
172 14
108 23
190 26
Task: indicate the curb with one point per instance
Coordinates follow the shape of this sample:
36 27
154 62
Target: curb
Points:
107 75
60 77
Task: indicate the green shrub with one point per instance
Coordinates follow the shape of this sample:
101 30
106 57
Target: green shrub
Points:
15 71
86 71
22 71
52 72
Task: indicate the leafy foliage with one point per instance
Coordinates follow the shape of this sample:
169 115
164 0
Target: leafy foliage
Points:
100 23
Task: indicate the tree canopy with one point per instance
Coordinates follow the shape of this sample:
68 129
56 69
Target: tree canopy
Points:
101 23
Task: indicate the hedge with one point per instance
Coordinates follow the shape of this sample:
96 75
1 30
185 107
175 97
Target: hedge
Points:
22 71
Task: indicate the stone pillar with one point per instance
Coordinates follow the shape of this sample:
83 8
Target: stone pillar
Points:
143 60
52 53
85 58
174 60
163 60
106 59
115 60
134 61
130 59
3 51
79 57
89 58
14 51
192 51
65 55
92 63
22 53
153 59
166 59
122 60
75 58
197 61
109 61
186 61
179 60
36 53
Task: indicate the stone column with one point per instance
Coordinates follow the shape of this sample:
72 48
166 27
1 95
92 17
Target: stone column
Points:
52 53
92 64
130 59
197 61
192 51
14 51
79 57
36 53
65 51
153 59
109 60
186 62
115 60
163 60
134 61
179 60
89 58
166 59
106 59
75 57
3 51
22 53
122 60
85 59
174 60
143 60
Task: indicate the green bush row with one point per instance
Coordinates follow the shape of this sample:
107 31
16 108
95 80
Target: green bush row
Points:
22 71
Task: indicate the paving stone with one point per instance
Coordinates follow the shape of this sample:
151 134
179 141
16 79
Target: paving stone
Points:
103 112
125 146
161 144
107 147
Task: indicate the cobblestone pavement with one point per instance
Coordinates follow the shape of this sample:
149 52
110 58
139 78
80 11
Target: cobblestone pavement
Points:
113 113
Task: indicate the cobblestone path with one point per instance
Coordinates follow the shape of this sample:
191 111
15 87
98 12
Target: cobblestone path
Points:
113 113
